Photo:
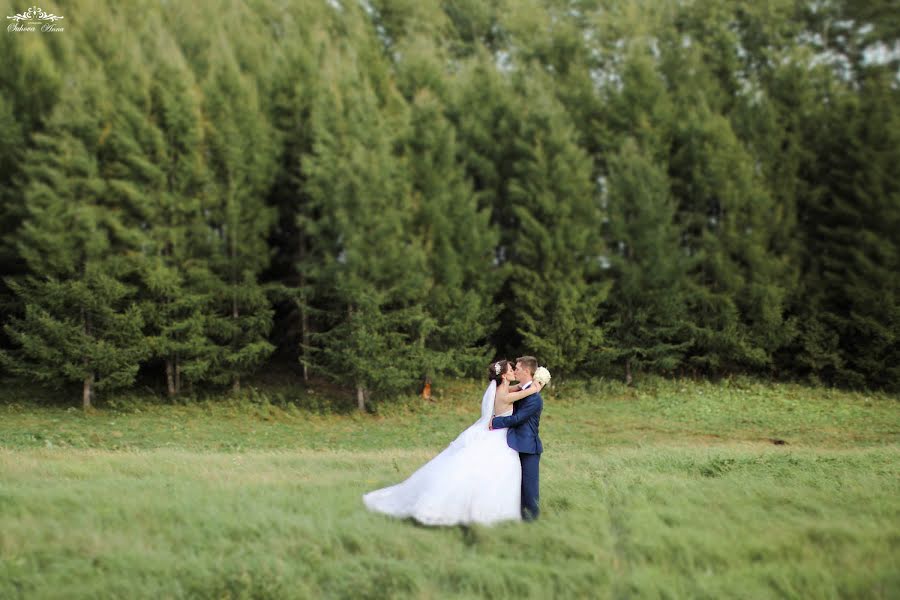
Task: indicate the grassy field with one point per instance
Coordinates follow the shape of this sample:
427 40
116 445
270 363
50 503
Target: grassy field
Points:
674 489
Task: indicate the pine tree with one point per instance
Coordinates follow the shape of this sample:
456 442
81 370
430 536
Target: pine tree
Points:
784 127
485 111
647 319
680 92
556 252
29 90
158 143
294 85
242 153
853 307
81 322
736 295
565 42
372 282
459 242
476 24
730 224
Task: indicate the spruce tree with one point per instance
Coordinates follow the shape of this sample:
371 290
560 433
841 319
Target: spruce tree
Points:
81 322
739 283
372 282
29 90
294 84
485 110
459 240
853 306
647 322
242 150
724 233
786 135
159 144
557 283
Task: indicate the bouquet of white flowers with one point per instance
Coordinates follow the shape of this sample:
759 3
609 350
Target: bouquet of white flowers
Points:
542 376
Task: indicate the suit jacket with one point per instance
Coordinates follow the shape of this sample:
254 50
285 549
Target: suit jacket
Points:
523 424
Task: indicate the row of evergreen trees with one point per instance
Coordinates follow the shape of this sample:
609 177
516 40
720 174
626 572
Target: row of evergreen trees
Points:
389 190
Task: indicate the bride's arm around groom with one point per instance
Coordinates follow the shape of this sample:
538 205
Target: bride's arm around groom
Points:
528 407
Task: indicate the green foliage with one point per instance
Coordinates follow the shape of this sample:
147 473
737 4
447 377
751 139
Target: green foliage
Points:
80 321
165 175
851 320
459 241
556 247
648 321
737 288
76 331
242 153
372 279
29 89
418 187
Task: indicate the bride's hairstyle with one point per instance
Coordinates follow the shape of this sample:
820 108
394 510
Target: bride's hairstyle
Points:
497 369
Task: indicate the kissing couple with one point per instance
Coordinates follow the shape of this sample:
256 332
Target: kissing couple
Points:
490 473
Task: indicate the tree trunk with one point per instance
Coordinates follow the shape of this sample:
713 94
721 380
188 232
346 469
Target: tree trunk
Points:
304 318
304 330
87 392
362 394
170 377
177 378
235 313
627 371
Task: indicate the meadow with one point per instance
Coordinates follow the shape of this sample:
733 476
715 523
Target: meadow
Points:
669 489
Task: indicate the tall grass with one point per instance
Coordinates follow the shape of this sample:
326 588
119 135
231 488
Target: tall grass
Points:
671 491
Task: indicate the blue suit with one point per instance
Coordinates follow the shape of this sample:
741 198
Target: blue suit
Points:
523 437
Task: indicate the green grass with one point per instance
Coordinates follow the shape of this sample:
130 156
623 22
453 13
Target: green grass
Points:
672 490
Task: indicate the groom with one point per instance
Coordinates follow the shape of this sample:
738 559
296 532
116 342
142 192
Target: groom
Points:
522 435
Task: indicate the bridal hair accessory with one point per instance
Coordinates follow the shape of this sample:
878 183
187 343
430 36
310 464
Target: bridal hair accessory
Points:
542 375
497 368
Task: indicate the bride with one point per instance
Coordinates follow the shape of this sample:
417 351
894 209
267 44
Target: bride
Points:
476 479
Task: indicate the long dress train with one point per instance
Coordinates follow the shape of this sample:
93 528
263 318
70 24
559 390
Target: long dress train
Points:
476 479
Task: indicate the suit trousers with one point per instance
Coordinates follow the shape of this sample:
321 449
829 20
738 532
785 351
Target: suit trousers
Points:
530 485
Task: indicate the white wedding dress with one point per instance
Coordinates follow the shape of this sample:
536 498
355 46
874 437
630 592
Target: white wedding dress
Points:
476 479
